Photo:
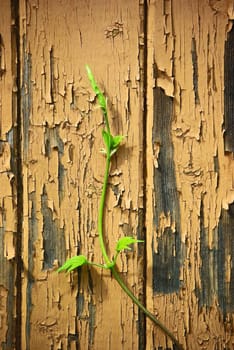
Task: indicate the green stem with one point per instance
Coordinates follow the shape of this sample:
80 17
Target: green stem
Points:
143 308
101 212
96 264
108 262
111 265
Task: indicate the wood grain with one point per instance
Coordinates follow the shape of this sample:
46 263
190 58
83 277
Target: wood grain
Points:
63 171
166 69
190 188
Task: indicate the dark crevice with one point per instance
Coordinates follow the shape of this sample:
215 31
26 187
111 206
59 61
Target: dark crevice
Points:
195 70
2 57
229 92
143 162
52 85
17 166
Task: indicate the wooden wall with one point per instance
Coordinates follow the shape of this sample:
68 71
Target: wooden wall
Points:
166 67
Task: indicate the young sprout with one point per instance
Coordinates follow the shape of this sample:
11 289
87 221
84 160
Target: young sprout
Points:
112 144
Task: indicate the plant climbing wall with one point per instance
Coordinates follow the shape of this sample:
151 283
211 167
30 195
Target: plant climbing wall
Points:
166 67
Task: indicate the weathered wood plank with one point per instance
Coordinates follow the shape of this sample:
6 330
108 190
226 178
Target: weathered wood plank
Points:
63 170
190 197
189 207
9 312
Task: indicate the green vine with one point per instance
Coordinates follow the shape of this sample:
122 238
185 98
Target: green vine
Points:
112 144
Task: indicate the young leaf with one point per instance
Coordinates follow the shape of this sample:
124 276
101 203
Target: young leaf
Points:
92 80
107 139
73 263
100 96
125 242
102 101
116 140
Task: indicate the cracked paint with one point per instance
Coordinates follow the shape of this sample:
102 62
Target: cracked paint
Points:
174 189
188 45
167 242
63 169
8 201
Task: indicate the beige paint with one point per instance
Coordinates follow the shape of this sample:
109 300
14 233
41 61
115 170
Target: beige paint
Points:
57 39
6 78
106 36
7 179
171 27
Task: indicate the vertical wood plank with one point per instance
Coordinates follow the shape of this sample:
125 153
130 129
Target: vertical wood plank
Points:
228 92
190 188
8 177
63 170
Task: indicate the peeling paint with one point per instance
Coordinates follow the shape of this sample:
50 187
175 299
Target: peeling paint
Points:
9 245
73 341
33 235
187 42
10 141
53 236
80 304
26 96
92 321
114 30
8 203
167 254
189 178
7 301
210 269
225 258
52 141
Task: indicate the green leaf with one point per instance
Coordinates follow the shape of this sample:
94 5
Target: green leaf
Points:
100 96
115 142
125 242
112 142
102 102
92 80
73 263
107 139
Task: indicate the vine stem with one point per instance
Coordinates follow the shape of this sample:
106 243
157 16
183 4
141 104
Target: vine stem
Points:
109 263
101 212
143 308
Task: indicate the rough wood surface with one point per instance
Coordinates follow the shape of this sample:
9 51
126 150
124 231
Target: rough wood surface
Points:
166 66
63 170
190 190
8 177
